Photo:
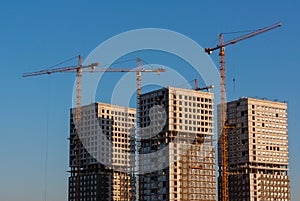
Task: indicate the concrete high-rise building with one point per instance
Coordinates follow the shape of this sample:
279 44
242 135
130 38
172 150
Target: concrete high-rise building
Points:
257 150
106 136
177 156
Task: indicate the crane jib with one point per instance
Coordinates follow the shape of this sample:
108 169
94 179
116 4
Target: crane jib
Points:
254 33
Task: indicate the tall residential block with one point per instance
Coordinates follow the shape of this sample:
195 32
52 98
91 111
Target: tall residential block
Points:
105 143
176 151
258 156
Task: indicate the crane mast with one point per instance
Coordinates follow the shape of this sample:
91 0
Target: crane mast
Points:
78 123
223 108
223 134
79 69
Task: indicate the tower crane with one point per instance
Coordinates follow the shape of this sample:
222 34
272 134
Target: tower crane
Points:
79 69
223 123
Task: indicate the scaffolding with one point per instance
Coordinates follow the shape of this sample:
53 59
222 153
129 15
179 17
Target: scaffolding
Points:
196 178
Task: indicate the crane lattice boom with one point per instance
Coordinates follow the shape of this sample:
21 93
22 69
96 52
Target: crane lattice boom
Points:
91 68
233 41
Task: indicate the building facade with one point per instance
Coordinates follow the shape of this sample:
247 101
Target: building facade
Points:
257 150
106 140
176 152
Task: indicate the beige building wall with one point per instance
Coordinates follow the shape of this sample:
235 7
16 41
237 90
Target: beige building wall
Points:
105 135
258 150
187 168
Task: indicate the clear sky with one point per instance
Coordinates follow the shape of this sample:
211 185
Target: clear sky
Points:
37 34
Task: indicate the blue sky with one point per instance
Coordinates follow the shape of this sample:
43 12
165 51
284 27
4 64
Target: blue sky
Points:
37 34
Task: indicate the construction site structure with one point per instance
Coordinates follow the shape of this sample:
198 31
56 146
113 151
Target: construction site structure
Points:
181 162
222 131
79 69
105 170
257 150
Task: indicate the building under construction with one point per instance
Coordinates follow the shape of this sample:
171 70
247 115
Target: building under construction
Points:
257 150
106 133
177 122
176 156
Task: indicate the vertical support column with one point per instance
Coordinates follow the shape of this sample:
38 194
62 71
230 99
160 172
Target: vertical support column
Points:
138 113
224 145
78 127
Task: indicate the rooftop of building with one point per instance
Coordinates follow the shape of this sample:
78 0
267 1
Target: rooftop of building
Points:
179 89
262 100
106 105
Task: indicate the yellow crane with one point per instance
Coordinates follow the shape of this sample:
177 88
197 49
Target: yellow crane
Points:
79 69
224 136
